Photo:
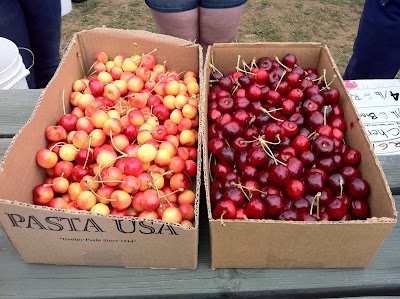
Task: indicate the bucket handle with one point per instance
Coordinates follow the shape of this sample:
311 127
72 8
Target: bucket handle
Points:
33 56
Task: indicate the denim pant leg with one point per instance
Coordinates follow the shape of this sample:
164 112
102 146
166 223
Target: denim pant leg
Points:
377 46
13 27
43 19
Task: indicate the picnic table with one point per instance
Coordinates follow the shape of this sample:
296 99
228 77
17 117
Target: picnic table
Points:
21 280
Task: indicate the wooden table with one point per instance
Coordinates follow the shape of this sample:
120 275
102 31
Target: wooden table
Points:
21 280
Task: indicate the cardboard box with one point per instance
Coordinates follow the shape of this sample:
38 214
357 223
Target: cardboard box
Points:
279 244
45 235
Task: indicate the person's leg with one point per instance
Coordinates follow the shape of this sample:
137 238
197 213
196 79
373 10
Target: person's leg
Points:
175 18
43 19
377 45
13 27
219 21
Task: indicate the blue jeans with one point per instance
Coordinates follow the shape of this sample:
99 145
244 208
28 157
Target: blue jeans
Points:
36 25
184 5
376 53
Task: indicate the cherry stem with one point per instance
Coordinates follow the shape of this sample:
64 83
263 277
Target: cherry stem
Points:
237 63
308 81
119 151
311 135
222 218
105 181
209 167
144 55
88 153
253 63
253 119
240 186
49 185
81 64
280 80
329 84
341 186
325 109
248 188
270 115
316 198
95 194
162 78
91 67
62 144
63 101
288 69
268 151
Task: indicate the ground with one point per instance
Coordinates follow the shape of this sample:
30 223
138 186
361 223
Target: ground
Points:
330 22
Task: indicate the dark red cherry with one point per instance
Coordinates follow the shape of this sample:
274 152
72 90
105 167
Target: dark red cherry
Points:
360 208
255 209
275 205
279 175
350 172
264 63
257 157
331 96
226 105
241 116
300 143
236 195
351 157
226 155
289 60
225 209
294 188
289 215
359 187
314 181
323 146
336 209
295 167
301 205
232 130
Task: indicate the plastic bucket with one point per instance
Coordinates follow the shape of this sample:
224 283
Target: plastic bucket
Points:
66 7
12 69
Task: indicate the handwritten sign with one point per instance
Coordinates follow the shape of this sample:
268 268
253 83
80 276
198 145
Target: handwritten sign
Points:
378 105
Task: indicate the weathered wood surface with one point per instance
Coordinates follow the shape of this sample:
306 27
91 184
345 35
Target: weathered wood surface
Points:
21 280
16 107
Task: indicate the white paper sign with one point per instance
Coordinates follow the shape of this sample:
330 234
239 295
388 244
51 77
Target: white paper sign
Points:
378 105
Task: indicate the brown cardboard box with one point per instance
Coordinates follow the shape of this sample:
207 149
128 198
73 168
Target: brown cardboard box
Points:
45 235
278 244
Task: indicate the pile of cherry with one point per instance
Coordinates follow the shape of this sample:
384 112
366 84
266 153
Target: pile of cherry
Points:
276 146
129 145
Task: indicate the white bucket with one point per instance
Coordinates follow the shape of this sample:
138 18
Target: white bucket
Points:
66 7
12 69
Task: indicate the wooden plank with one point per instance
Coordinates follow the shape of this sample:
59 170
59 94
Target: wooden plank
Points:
16 108
43 281
4 143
